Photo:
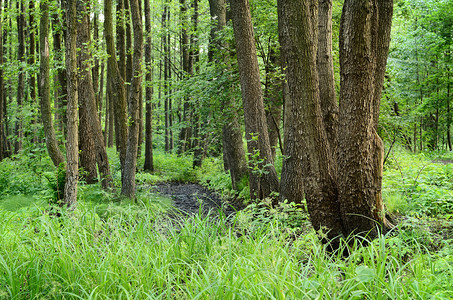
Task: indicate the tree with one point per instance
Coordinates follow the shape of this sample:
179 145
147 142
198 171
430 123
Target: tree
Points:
21 80
88 99
149 166
2 134
262 177
117 85
360 150
234 154
307 151
128 174
44 86
72 145
356 206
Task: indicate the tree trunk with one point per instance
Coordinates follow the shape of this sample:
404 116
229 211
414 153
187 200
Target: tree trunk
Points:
59 80
273 100
360 150
72 146
234 153
117 84
44 87
2 133
88 98
128 175
306 144
329 105
185 133
21 80
263 177
149 165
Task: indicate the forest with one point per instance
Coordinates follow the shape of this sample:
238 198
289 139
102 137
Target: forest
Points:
226 149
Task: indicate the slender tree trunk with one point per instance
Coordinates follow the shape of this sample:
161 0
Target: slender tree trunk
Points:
149 165
308 155
234 154
263 177
128 176
273 100
2 98
117 84
184 135
448 111
59 80
21 80
72 146
44 87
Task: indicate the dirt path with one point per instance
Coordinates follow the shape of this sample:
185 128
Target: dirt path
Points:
187 198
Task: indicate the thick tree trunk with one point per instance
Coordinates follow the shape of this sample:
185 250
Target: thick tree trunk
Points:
263 177
72 146
44 87
149 165
360 150
128 175
329 105
88 98
117 85
306 145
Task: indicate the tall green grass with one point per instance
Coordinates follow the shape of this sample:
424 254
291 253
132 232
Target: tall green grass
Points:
134 252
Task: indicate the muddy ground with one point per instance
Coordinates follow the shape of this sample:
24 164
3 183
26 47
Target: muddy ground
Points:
192 198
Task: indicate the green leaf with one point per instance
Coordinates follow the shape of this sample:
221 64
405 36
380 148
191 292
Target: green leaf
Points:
364 274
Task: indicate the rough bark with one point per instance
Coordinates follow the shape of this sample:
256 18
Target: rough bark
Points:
149 165
72 146
360 151
306 145
31 61
327 94
44 87
118 90
87 153
88 97
263 177
128 175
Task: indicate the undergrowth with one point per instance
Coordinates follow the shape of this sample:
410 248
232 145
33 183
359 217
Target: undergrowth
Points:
112 248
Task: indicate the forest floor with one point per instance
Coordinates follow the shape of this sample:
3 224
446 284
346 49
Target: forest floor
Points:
192 198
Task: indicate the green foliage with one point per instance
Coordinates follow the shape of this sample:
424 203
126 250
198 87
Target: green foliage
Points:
419 184
56 184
